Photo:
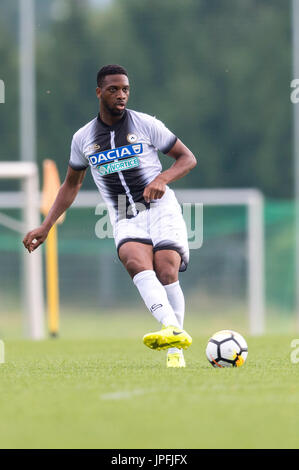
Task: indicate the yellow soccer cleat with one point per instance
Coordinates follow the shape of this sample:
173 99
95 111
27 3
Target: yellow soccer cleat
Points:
175 360
168 337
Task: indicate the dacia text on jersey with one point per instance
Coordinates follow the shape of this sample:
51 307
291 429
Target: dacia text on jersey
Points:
115 154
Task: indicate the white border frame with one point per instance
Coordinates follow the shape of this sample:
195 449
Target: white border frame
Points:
254 201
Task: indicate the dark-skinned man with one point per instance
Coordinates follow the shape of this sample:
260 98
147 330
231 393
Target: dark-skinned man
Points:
121 148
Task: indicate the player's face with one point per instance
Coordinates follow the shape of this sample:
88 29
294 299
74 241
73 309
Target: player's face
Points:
114 93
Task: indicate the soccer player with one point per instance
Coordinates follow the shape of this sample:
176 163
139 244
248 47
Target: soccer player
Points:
121 148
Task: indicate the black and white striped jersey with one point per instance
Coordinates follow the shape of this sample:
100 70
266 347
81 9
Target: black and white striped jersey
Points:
123 158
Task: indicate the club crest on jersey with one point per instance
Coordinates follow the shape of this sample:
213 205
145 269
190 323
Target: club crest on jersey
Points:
132 138
115 154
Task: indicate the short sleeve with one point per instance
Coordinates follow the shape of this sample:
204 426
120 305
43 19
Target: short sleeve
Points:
161 137
77 159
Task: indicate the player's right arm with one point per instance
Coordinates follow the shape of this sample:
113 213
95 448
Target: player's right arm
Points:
65 197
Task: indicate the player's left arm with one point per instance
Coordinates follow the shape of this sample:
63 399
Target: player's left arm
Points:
184 162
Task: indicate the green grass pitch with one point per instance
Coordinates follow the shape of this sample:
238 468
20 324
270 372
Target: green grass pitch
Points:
109 391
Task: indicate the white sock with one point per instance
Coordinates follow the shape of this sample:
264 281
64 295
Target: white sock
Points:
177 301
155 297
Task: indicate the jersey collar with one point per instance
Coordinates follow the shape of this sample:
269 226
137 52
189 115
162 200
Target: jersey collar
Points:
115 126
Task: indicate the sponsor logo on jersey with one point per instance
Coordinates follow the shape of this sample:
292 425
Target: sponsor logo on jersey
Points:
92 148
114 167
132 138
115 154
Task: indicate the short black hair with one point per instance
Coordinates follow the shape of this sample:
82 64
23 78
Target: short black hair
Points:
110 70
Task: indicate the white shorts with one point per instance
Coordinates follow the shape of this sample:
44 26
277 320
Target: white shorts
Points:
162 226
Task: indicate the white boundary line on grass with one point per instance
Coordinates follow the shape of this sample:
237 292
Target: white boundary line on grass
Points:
122 395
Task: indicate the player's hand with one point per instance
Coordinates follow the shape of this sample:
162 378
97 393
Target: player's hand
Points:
155 190
35 238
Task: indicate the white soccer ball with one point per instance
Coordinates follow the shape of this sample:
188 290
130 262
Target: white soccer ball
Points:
226 348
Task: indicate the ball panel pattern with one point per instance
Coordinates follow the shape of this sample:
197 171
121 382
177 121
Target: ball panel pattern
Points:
226 348
229 350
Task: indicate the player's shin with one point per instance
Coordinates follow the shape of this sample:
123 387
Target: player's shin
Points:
155 297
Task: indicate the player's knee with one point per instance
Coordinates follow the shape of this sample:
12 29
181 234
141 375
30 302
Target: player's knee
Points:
167 274
135 266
